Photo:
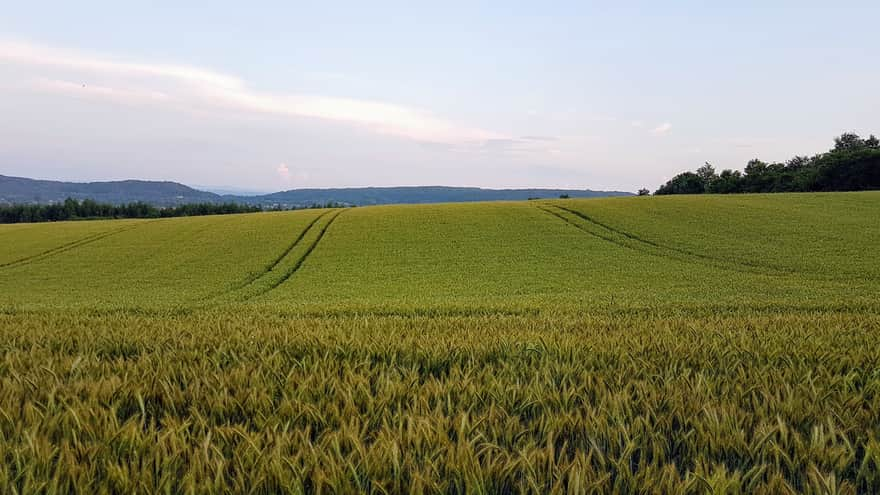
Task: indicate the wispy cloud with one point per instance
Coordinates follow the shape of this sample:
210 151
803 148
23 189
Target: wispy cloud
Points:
76 73
662 128
92 90
28 53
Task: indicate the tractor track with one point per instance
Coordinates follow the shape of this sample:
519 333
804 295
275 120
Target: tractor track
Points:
271 266
69 246
302 259
241 287
660 250
755 266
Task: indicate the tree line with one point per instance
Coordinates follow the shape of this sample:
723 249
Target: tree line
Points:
852 165
88 209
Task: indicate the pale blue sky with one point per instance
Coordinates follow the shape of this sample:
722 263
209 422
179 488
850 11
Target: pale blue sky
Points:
275 95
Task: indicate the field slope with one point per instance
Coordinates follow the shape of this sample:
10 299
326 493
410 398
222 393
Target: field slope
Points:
672 344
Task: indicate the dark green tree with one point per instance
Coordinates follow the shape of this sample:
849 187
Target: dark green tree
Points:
686 183
852 164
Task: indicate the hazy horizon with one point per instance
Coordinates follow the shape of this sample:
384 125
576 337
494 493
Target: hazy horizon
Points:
289 96
238 191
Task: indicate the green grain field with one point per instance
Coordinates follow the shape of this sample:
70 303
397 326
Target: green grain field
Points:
682 344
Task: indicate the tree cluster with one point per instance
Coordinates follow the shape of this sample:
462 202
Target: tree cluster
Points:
86 209
852 165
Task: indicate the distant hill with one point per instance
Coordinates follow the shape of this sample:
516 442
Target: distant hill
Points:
413 194
22 190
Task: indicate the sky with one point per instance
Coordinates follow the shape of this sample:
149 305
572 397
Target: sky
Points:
265 96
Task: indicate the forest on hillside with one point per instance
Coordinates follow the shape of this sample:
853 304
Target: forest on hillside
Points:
88 209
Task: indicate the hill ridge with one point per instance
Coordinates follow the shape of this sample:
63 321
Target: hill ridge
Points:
169 193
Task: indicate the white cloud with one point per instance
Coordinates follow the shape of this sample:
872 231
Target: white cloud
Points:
288 175
184 85
283 172
662 128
